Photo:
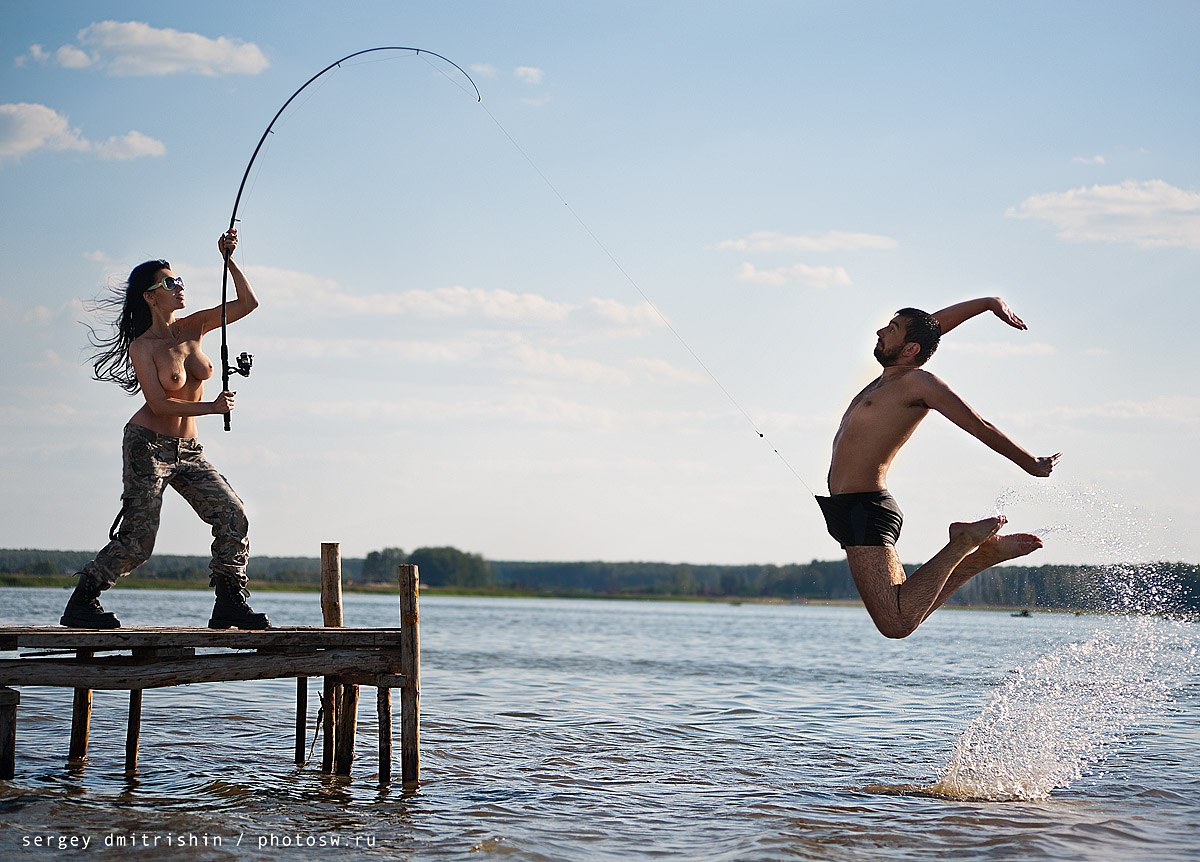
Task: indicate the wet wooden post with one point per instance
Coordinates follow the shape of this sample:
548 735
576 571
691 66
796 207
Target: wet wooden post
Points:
301 717
134 730
81 717
383 705
9 698
410 666
347 721
331 612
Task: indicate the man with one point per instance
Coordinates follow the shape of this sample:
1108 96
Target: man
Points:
864 517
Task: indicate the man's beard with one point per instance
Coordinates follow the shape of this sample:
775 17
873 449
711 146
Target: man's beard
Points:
887 358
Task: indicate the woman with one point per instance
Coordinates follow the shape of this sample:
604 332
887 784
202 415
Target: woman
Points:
153 351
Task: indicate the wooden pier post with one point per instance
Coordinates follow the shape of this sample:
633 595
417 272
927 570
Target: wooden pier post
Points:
81 717
9 698
383 705
133 732
410 666
347 721
331 613
301 717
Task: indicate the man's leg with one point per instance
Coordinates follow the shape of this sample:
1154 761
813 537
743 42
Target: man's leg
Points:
995 550
898 605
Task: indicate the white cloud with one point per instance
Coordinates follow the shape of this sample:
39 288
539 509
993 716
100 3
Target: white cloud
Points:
485 70
660 370
834 240
131 145
70 57
36 53
529 74
136 48
1090 160
25 128
552 364
797 273
308 293
439 352
1149 213
639 315
998 349
1174 409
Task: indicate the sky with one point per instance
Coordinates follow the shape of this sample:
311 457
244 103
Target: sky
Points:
553 323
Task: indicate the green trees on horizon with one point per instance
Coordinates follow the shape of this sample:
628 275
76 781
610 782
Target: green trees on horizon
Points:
1117 587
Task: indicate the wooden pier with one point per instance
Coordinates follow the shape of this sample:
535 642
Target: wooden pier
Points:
137 658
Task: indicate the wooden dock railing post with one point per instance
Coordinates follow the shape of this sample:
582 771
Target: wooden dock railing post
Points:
410 666
331 613
9 698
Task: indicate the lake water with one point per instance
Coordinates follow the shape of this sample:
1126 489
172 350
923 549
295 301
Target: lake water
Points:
603 730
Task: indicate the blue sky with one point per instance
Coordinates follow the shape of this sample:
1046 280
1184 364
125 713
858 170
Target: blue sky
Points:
454 345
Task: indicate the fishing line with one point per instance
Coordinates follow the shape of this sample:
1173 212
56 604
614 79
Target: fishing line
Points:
633 282
243 361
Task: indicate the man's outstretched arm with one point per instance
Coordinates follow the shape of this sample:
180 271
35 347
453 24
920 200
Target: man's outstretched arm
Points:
953 315
938 396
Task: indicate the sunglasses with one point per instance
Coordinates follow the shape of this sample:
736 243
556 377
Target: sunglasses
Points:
171 283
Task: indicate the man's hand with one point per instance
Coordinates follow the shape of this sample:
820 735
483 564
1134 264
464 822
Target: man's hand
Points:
1001 309
951 317
1042 467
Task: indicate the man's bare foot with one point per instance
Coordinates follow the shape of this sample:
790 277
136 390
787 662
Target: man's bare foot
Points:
998 549
977 532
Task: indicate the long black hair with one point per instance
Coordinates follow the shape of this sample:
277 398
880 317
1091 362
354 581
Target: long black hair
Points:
111 362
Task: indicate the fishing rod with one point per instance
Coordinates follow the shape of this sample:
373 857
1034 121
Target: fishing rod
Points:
245 360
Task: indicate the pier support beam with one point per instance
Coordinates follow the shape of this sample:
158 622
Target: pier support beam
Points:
301 717
410 667
81 717
331 613
383 705
134 731
9 698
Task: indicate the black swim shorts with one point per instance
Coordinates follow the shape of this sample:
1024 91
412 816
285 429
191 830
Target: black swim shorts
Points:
868 518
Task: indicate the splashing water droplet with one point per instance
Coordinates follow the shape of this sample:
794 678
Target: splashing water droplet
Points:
1053 719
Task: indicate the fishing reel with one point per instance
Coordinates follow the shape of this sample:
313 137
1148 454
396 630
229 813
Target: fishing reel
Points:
244 362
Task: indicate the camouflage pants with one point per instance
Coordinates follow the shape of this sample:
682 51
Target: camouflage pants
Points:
151 462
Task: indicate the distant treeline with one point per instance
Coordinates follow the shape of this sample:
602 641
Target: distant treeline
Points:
1156 587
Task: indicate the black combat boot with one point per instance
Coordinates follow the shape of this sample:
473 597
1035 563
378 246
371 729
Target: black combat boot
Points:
231 610
83 609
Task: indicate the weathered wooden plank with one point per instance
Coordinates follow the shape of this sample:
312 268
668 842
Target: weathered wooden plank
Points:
123 672
173 637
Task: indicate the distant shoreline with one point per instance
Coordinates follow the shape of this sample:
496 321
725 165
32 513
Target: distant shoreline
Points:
133 582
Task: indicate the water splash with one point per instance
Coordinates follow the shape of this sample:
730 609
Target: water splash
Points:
1063 713
1052 720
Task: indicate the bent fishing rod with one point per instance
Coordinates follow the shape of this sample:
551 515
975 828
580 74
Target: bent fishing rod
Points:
245 360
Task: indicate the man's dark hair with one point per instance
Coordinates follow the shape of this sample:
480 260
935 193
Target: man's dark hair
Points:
921 327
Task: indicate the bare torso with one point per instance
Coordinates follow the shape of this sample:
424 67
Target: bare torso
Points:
877 423
182 368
